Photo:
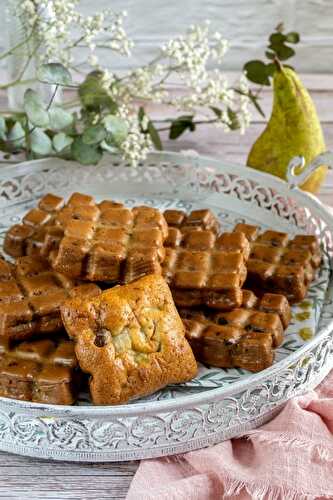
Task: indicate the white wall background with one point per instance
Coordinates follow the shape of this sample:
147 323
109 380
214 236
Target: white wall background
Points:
246 23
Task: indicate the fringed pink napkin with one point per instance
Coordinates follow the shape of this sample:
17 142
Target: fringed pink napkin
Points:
290 458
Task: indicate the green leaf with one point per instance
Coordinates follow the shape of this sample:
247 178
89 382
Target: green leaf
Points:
217 111
16 135
3 128
179 125
234 122
282 51
93 94
270 55
94 135
116 127
141 113
270 69
61 141
277 38
59 118
292 37
155 136
40 142
35 109
85 153
54 73
256 72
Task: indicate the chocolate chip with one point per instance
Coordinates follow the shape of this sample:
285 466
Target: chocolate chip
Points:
222 321
102 338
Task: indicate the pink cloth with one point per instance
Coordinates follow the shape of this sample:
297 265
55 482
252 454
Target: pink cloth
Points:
290 458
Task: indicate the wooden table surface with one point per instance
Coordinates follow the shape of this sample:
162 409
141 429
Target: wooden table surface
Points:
26 478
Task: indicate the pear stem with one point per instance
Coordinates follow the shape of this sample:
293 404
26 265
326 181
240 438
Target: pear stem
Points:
278 64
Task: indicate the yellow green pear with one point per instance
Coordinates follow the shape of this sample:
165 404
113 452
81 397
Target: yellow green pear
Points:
293 129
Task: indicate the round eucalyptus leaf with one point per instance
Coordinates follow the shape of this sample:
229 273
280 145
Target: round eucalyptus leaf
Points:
16 135
93 94
277 38
35 109
256 72
59 118
117 128
41 144
85 153
3 128
54 73
61 141
94 135
292 37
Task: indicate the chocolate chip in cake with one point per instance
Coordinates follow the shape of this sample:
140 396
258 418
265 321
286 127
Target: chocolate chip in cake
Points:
102 338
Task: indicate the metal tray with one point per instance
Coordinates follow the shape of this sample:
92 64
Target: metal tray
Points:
187 417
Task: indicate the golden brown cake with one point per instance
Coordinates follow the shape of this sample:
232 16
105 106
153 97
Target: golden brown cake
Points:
180 224
212 277
119 245
30 297
47 219
130 339
43 371
280 264
244 337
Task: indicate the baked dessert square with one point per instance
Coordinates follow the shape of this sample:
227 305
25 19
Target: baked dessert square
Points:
180 224
119 246
43 371
130 339
51 213
281 264
213 278
244 337
30 297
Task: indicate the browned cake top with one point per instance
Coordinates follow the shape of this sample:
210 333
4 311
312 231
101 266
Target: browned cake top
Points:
31 291
28 237
130 339
280 263
97 249
180 224
211 269
243 337
207 270
39 359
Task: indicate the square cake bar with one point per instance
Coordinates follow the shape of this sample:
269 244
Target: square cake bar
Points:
28 237
180 223
130 339
118 245
213 277
244 337
280 264
43 371
30 297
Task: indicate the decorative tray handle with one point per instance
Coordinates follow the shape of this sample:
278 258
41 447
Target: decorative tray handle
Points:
294 180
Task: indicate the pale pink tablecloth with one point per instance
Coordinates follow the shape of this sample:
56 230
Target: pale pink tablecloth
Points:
290 458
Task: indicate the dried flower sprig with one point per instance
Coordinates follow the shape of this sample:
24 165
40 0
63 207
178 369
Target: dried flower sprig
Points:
107 116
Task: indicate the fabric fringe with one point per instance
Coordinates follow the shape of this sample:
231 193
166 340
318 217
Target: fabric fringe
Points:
257 490
318 452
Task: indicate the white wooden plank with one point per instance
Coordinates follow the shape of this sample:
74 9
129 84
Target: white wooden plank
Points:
246 23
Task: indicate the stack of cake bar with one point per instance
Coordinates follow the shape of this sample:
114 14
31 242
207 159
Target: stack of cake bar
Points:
232 290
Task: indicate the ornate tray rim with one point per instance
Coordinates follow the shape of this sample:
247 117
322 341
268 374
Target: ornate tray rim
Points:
40 430
214 393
